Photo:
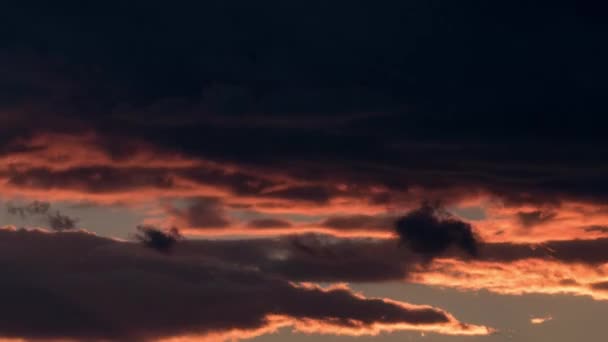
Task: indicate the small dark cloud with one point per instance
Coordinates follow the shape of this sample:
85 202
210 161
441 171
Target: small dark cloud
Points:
602 286
530 219
430 231
38 209
32 208
59 221
203 212
268 223
156 238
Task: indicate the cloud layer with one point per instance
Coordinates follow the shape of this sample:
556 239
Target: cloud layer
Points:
80 286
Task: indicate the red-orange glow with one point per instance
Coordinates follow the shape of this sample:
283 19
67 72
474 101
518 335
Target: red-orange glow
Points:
515 278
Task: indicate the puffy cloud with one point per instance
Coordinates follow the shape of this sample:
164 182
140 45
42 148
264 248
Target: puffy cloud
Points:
431 231
159 239
355 106
59 221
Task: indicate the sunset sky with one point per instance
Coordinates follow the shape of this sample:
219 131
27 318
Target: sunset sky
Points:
229 170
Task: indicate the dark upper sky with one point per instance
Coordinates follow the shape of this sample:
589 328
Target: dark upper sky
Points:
284 119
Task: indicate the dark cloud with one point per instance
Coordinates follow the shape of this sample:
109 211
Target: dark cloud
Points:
602 286
33 208
319 258
532 218
156 238
37 209
83 287
268 223
317 194
590 252
59 221
202 212
430 231
92 179
375 100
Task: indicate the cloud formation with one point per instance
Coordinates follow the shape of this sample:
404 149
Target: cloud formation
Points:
430 231
81 286
37 209
533 218
201 212
313 121
33 208
158 239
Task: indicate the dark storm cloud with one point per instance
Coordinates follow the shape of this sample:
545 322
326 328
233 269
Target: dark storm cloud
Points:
430 231
405 95
268 223
80 286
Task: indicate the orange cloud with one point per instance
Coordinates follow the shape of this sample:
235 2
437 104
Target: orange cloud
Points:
92 168
516 278
540 320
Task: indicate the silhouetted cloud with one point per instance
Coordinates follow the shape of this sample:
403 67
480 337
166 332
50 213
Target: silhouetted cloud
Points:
59 221
532 218
123 292
32 208
430 231
38 209
156 238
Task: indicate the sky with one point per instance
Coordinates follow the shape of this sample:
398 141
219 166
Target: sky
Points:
303 171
